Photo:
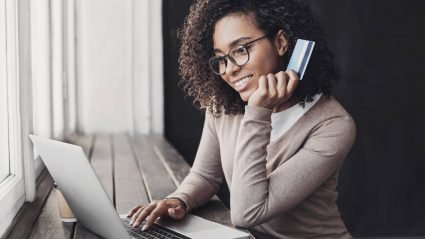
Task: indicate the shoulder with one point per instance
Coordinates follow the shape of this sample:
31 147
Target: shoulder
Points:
328 109
330 105
332 127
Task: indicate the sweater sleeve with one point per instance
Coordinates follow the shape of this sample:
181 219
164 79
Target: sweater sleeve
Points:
257 197
206 174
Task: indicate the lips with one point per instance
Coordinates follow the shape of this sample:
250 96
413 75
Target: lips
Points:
240 84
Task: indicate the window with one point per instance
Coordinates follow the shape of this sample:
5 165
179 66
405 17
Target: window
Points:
12 186
4 134
4 137
33 92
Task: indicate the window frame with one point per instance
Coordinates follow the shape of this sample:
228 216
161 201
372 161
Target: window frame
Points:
12 189
30 34
4 125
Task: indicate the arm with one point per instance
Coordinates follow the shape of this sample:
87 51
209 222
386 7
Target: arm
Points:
256 197
197 188
206 173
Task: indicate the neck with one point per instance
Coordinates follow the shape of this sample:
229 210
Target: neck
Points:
285 105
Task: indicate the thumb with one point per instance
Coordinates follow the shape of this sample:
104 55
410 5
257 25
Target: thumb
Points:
177 212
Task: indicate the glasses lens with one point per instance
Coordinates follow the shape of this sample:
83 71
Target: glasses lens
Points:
239 55
218 65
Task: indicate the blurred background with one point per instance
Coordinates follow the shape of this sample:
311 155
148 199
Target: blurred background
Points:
110 66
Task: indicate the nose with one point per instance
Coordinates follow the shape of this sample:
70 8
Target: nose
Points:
231 68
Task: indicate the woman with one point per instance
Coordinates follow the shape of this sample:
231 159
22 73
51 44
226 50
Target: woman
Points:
277 141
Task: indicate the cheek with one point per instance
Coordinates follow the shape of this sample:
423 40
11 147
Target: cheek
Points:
253 85
264 63
225 79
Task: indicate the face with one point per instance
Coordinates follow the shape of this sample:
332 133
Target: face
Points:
264 55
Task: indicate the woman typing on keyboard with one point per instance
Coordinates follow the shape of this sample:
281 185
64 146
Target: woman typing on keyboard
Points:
276 140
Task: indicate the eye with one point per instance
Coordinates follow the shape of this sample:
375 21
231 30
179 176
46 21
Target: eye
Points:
240 51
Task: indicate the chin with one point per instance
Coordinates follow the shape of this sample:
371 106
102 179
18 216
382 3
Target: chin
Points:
245 96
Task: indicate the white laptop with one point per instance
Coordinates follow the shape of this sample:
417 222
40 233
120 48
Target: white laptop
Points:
94 210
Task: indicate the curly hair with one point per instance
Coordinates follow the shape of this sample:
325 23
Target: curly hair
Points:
292 16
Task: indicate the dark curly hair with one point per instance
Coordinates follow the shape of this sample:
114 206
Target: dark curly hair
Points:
292 16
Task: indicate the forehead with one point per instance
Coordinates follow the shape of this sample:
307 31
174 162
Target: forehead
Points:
232 27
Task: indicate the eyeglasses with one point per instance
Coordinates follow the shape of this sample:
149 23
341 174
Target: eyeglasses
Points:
239 55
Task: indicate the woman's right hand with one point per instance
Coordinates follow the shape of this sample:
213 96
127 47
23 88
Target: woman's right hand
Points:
274 89
172 207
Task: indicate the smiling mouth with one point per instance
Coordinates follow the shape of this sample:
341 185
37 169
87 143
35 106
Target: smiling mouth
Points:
242 81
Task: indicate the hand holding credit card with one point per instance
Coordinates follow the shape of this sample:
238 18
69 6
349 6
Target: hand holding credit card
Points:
301 56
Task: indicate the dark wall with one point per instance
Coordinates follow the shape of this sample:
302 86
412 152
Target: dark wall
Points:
183 123
380 50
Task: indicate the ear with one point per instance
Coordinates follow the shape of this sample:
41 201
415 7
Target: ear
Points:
281 42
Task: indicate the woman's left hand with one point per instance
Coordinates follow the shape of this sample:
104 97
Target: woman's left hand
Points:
274 89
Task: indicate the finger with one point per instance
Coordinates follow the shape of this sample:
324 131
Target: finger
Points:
137 213
177 212
144 214
152 217
260 93
282 79
262 83
271 80
293 82
133 210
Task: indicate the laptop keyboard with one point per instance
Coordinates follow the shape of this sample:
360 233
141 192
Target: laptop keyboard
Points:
153 232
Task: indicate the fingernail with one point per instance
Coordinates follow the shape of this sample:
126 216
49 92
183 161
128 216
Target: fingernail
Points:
145 227
173 211
131 222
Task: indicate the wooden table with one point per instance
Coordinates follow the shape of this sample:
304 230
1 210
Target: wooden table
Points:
133 170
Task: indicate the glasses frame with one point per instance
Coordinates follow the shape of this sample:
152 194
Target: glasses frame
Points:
228 57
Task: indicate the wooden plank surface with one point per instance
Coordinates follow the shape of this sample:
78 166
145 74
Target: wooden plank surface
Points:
101 162
27 216
49 224
86 142
215 211
82 233
173 162
158 182
129 188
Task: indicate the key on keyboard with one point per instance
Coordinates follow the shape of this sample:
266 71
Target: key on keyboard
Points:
153 232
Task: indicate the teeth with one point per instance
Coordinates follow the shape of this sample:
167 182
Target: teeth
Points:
242 81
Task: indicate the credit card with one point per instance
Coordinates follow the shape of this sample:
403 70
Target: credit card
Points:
301 56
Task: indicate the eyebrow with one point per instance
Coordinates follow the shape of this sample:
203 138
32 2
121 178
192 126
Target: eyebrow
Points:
233 43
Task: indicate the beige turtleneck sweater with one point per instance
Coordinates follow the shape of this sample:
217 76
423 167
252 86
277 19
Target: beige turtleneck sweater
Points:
282 189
